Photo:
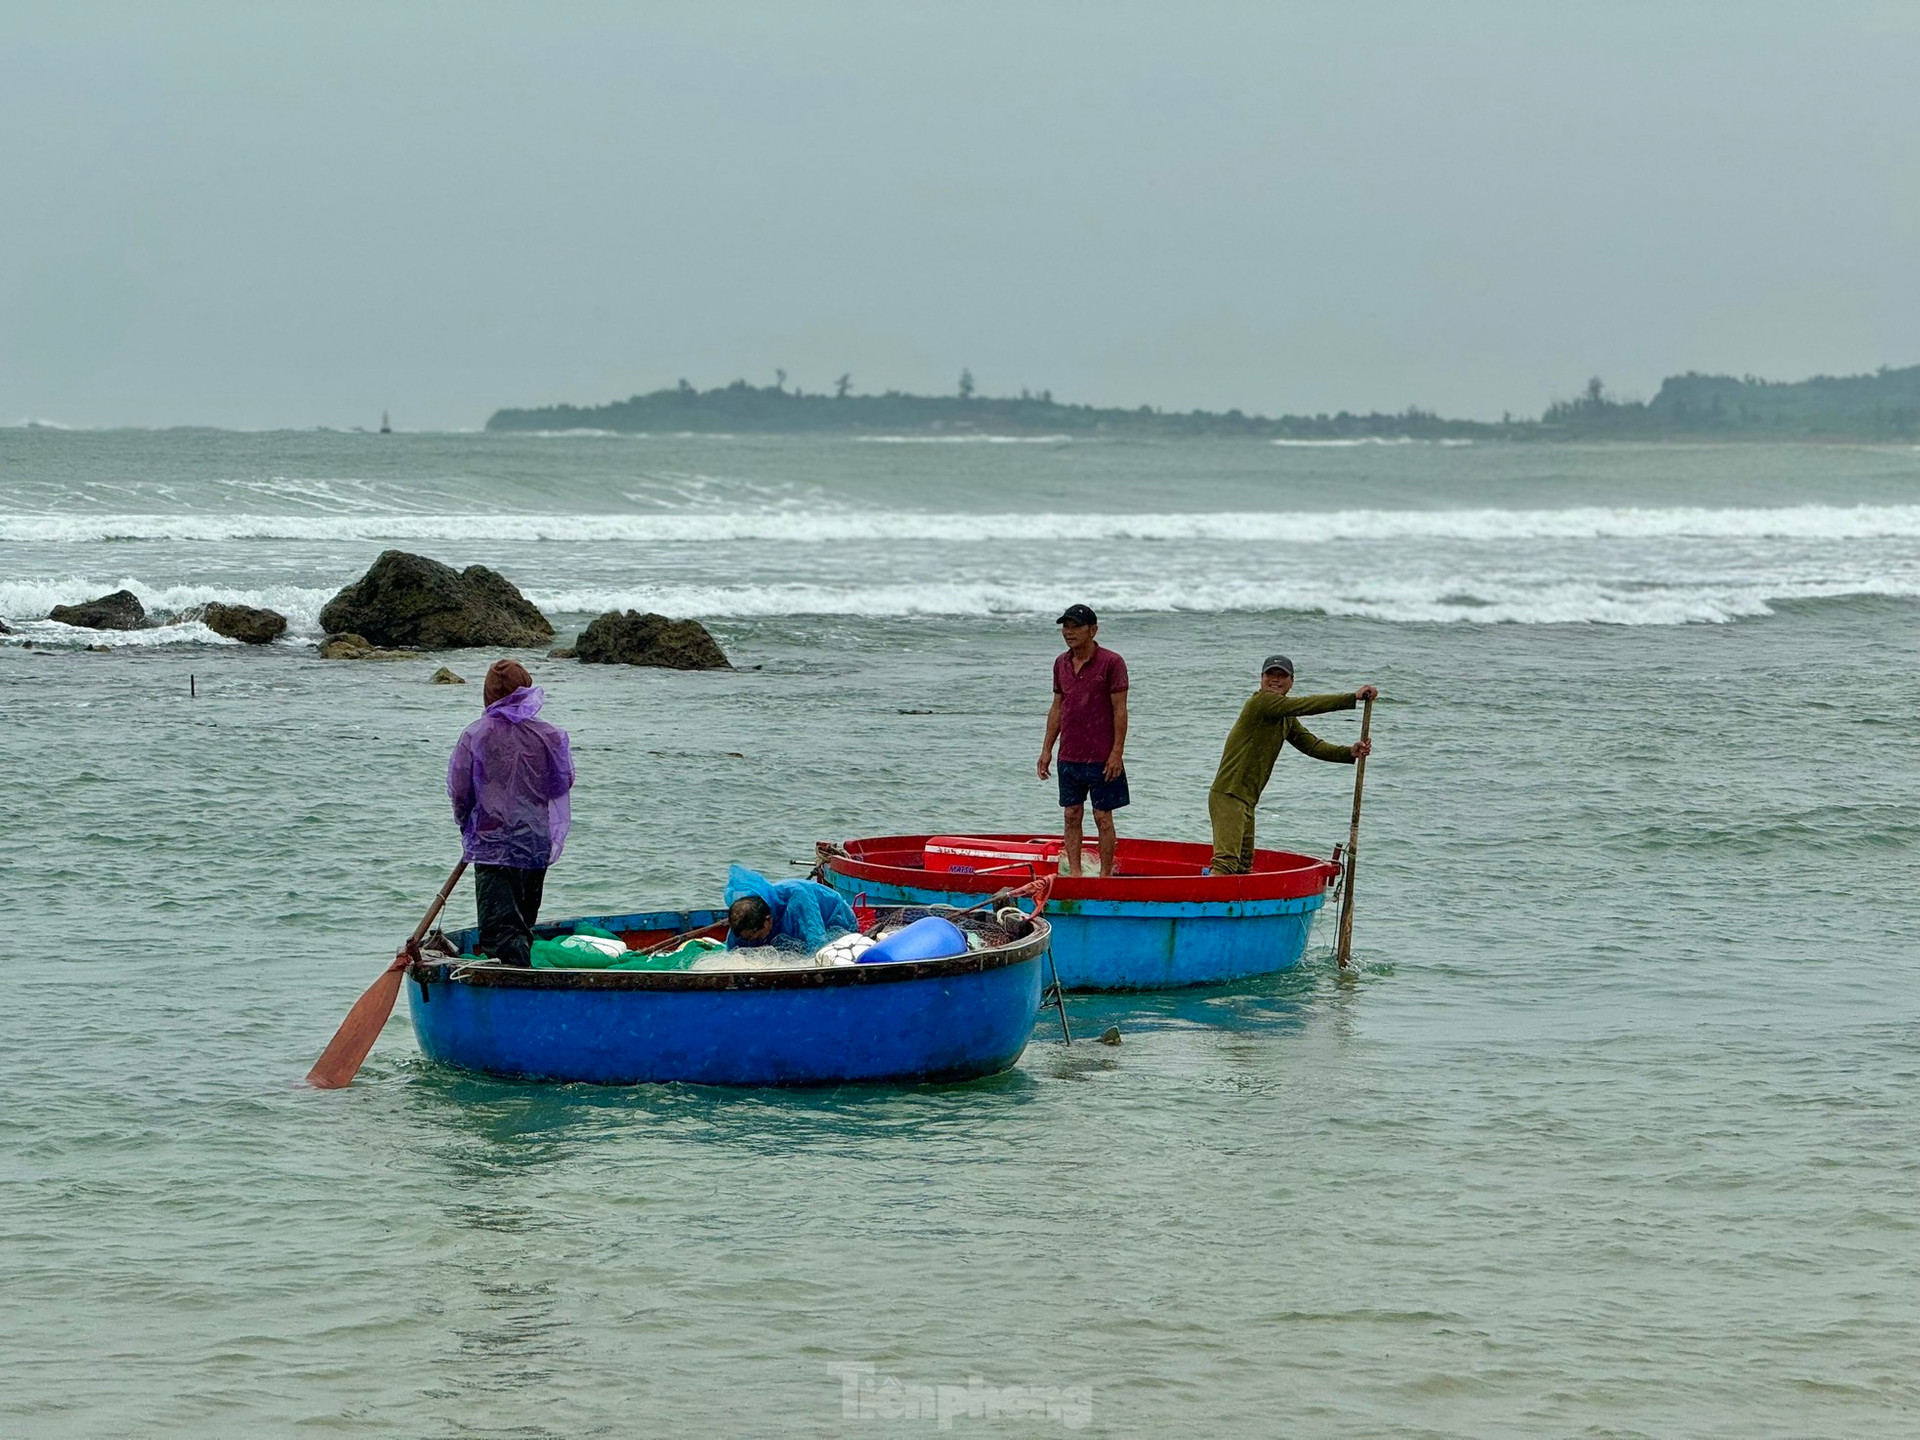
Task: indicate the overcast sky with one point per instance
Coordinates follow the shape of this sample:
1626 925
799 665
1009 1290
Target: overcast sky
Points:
258 215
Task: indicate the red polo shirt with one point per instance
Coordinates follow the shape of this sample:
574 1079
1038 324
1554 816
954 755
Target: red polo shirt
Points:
1086 704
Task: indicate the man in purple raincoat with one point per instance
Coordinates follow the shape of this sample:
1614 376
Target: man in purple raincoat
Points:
508 779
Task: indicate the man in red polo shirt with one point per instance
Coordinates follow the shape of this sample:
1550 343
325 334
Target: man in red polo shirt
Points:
1089 719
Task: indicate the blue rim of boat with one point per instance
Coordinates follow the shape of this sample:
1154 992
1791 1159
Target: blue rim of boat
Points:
470 970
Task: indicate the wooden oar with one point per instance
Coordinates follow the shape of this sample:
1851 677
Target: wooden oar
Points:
345 1053
1343 949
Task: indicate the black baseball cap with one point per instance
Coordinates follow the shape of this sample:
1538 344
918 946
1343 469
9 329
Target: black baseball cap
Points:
1078 615
1276 662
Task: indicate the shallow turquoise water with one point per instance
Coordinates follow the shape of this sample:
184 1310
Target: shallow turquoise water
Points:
1615 1132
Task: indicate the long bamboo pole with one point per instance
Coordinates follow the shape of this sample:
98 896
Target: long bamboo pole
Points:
1343 949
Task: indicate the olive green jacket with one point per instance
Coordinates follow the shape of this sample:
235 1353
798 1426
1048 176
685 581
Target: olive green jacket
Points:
1266 723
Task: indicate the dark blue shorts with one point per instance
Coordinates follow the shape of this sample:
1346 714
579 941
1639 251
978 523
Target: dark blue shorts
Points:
1079 779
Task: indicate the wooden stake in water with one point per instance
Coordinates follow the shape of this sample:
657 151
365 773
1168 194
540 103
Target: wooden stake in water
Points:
1343 948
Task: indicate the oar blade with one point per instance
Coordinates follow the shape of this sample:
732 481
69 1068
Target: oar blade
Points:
347 1051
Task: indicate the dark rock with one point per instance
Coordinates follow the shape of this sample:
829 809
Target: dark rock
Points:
636 639
409 600
121 610
100 649
565 652
244 623
5 629
358 647
444 676
345 647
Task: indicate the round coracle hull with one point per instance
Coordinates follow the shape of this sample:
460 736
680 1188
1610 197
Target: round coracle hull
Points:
1158 924
937 1020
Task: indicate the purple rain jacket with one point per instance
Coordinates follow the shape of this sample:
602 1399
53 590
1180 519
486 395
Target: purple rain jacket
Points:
508 779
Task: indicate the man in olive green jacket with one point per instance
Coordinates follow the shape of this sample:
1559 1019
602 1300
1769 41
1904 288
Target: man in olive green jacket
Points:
1269 720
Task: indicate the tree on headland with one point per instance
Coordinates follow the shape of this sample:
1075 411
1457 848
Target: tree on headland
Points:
1594 409
843 385
966 384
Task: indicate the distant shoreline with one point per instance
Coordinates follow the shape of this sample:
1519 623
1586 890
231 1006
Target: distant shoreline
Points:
1881 408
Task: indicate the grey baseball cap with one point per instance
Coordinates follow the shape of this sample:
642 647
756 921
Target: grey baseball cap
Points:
1276 662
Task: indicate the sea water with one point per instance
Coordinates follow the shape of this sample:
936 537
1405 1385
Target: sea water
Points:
1613 1130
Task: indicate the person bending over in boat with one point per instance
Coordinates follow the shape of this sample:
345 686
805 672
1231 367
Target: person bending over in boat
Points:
1089 719
1269 720
508 779
791 914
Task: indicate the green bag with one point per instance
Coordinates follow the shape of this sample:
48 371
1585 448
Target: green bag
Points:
579 952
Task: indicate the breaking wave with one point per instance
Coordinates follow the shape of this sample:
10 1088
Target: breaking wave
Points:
1568 603
1355 441
588 433
1788 522
23 600
46 633
1444 600
964 439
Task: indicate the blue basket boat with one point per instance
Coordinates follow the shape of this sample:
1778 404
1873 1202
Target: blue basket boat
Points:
1158 923
925 1020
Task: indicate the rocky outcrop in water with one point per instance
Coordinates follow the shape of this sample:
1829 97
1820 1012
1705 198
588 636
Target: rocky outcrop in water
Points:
358 647
444 676
5 629
245 623
636 639
409 600
121 610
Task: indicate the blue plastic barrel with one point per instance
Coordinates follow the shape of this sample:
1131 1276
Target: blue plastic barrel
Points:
929 938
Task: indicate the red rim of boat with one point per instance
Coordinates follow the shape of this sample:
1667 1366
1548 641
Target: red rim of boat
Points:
1167 871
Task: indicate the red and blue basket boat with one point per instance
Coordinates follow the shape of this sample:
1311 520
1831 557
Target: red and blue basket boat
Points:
1161 921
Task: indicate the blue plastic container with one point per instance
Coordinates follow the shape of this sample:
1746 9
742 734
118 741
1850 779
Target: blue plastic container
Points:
928 938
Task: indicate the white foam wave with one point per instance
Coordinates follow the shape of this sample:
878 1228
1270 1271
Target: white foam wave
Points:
589 433
969 439
1440 599
1355 441
1348 443
1789 522
23 601
45 633
1420 602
